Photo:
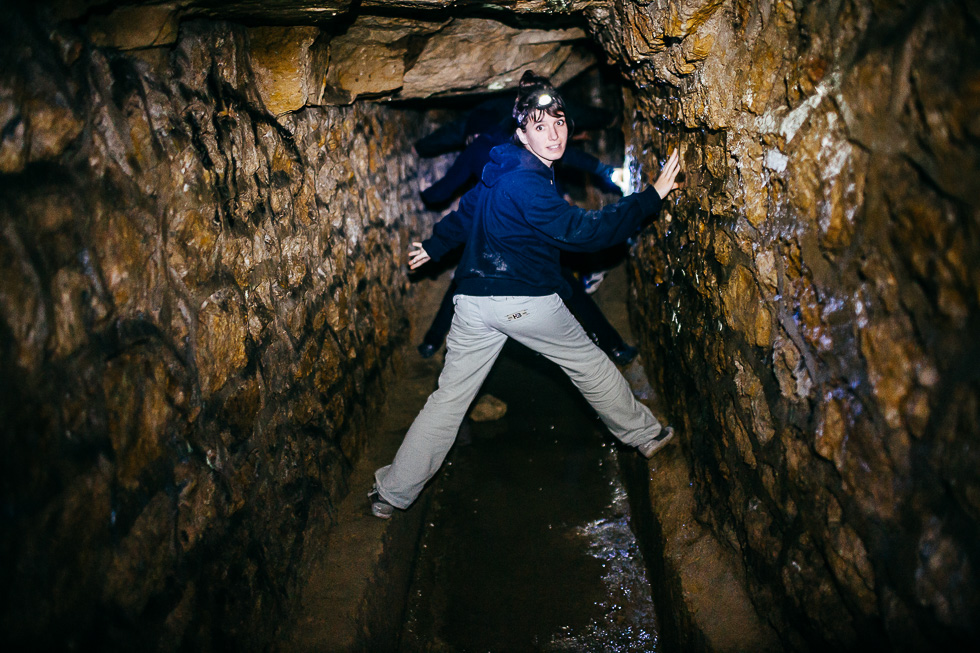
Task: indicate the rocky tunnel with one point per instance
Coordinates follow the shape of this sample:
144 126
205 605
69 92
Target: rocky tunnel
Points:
204 211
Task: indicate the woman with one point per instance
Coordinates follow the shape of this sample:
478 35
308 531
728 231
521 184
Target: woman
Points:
514 225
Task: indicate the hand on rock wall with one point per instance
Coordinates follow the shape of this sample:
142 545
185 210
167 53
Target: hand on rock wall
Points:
666 182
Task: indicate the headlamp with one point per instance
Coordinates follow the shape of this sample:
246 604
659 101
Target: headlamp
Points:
545 99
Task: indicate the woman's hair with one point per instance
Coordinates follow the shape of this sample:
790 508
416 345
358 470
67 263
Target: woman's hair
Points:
536 97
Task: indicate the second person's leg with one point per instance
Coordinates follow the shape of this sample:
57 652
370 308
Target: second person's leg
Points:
440 324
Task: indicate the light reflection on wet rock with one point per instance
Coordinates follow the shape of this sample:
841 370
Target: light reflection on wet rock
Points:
629 622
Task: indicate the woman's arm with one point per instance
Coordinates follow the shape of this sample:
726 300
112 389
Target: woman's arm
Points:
575 229
582 160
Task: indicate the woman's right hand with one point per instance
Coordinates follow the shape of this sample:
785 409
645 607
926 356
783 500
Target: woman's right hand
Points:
666 182
417 256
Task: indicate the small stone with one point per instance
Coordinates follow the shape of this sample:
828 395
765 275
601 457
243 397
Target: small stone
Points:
745 311
488 409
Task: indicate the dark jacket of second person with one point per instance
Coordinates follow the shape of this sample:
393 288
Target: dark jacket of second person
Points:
469 164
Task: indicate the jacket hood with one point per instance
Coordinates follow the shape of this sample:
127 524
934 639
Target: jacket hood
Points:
507 158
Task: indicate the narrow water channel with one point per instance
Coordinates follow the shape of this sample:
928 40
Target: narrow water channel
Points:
528 545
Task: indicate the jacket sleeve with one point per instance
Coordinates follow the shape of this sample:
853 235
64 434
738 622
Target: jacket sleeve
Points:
571 228
453 229
582 160
466 167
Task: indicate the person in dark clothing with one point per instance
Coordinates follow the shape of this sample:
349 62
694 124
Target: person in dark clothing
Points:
469 164
467 167
455 134
515 225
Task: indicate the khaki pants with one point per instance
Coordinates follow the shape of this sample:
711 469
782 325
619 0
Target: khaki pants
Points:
481 326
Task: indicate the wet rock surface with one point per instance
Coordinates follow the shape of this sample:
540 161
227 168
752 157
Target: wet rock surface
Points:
324 54
197 307
807 303
359 567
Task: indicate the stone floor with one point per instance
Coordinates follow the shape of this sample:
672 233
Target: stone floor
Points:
364 566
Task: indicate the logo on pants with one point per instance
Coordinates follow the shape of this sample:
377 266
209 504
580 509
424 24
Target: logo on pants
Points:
516 316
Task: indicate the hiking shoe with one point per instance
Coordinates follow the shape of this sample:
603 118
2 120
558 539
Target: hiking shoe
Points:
379 507
624 354
591 281
651 447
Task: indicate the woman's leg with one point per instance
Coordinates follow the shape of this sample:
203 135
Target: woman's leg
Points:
555 334
471 349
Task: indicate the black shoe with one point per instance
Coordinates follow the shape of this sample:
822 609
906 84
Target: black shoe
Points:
427 351
379 506
623 354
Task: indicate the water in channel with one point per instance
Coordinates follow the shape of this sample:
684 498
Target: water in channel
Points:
528 547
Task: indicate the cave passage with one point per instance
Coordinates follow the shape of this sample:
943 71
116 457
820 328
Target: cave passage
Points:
528 545
205 309
525 540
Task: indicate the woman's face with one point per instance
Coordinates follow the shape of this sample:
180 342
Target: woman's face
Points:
545 137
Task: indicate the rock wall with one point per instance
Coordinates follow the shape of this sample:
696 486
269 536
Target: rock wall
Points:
809 304
197 307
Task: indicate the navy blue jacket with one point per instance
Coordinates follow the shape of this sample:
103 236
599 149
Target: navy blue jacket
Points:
515 225
469 164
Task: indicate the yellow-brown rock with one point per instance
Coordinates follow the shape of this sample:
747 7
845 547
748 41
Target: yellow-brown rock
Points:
840 226
491 55
369 58
131 28
173 267
285 66
221 340
744 310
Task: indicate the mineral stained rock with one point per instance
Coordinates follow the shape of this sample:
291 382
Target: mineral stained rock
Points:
198 304
808 302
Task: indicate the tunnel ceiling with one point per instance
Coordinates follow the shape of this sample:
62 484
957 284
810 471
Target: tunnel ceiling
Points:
334 52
